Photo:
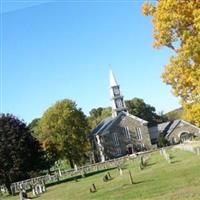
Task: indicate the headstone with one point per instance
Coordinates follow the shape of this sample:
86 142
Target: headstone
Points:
13 190
21 195
43 187
106 178
110 177
75 168
120 171
131 178
93 188
33 191
40 188
24 194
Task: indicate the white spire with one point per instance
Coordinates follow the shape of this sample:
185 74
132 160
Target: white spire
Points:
112 79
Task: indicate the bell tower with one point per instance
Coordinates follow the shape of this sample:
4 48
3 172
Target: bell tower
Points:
117 99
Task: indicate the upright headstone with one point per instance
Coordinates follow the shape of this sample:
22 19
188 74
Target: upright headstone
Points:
21 195
33 191
131 178
75 168
120 171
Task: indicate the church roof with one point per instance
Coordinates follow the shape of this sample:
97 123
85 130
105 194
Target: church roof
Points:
109 122
106 124
168 127
101 126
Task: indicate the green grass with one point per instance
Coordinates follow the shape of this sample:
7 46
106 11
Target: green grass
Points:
158 181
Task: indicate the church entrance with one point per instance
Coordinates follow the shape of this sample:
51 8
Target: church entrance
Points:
130 149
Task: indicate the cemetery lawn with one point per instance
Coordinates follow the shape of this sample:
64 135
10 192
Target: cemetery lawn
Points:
158 181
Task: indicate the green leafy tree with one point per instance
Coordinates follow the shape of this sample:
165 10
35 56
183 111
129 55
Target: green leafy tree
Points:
98 114
48 146
162 141
34 126
66 127
20 153
139 108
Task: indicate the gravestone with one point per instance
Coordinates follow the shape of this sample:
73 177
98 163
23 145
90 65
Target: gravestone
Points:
131 178
120 171
110 177
75 168
43 187
93 188
105 178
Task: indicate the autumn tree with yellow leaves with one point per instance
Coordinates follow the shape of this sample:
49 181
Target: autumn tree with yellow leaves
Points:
176 25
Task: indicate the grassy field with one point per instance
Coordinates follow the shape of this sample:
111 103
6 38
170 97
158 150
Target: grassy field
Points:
158 181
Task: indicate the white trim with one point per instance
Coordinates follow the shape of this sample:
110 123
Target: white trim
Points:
116 139
139 133
128 136
144 122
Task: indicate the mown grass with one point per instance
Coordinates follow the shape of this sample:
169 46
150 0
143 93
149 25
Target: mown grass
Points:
160 180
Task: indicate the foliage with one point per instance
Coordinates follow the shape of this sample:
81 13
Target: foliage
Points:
20 153
177 26
135 106
175 114
64 129
34 126
98 114
139 108
162 142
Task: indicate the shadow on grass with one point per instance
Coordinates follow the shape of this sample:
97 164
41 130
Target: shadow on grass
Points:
144 181
150 164
78 177
175 161
138 182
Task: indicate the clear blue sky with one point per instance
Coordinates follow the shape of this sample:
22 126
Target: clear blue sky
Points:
62 49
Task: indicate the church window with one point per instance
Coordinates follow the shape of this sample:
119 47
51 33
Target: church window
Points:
119 151
116 139
126 129
139 133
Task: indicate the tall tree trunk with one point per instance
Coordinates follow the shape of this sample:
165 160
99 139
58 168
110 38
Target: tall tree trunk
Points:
71 163
8 184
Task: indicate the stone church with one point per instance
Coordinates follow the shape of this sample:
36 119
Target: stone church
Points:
121 133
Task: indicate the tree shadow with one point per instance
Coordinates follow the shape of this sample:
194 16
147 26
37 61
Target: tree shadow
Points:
150 164
175 161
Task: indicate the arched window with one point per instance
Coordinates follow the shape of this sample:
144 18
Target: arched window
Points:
184 137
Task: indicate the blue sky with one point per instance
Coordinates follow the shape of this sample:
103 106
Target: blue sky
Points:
62 49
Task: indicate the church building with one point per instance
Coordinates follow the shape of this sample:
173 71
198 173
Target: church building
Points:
123 133
120 134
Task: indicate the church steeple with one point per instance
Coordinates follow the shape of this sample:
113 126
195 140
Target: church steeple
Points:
113 81
117 99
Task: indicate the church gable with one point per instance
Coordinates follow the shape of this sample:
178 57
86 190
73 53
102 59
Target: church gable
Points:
182 131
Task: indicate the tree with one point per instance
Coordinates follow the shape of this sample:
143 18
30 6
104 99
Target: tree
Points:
65 127
20 153
48 146
98 114
177 26
139 108
34 126
162 141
